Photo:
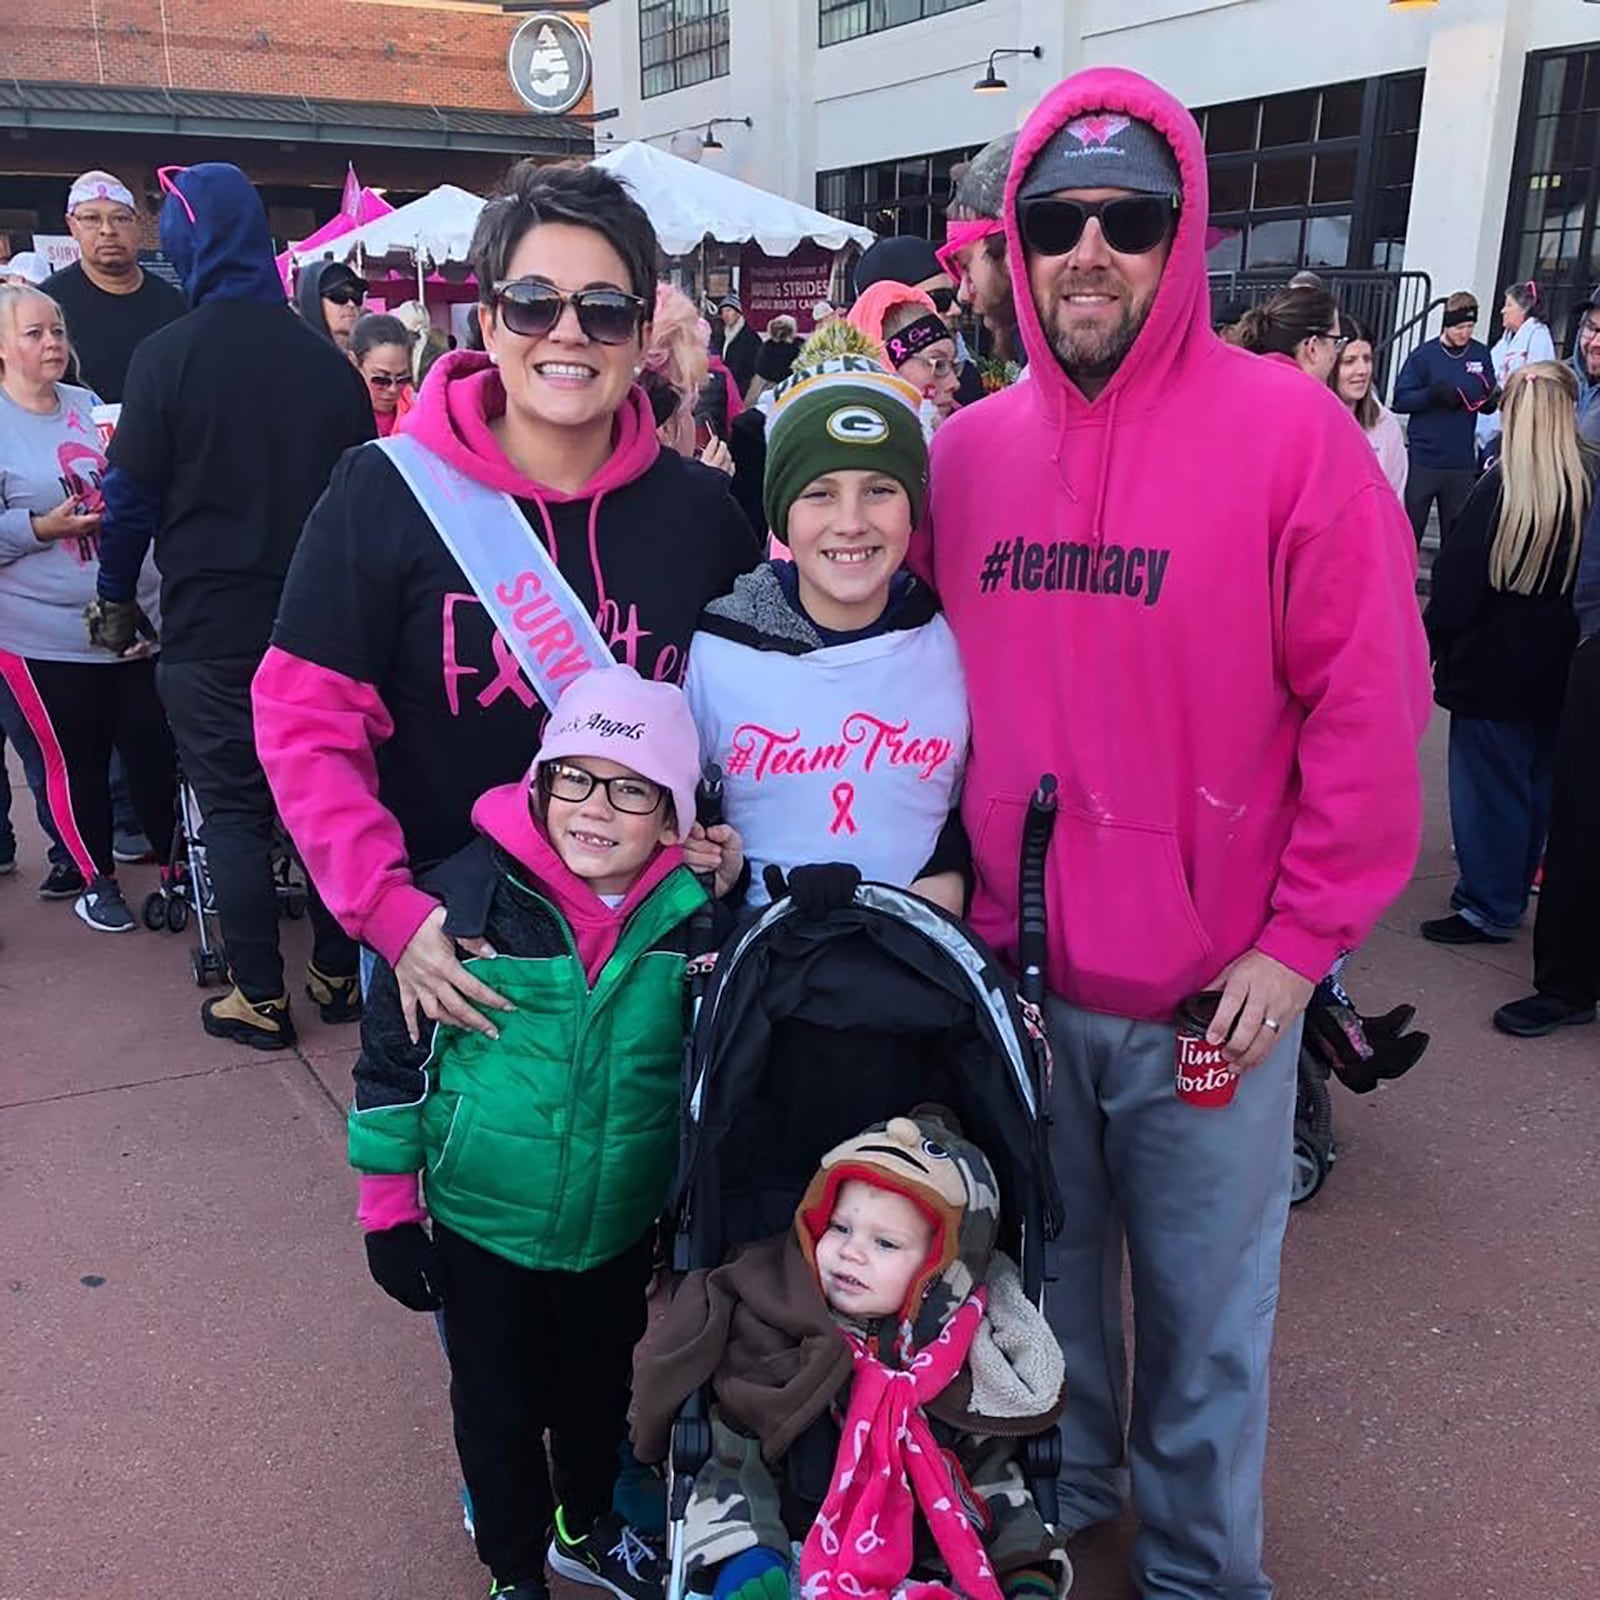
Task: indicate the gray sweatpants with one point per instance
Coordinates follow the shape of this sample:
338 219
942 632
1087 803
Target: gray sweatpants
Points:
1202 1197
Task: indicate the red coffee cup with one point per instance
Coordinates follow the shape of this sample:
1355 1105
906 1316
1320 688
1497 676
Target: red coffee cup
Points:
1203 1075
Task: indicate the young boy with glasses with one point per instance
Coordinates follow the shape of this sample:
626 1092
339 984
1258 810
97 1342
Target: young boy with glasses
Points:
545 1151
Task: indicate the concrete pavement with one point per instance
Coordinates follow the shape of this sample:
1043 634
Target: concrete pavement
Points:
201 1392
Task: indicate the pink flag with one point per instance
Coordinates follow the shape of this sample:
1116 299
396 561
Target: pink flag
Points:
350 201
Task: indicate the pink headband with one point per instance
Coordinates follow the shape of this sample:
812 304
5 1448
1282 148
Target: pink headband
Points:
958 235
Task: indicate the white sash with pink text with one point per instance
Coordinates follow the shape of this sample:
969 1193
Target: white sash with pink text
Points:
544 624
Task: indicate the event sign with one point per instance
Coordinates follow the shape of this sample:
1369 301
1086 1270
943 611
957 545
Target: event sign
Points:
790 285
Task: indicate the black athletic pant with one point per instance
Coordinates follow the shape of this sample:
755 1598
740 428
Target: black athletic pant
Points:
1566 932
79 711
530 1351
208 703
1449 485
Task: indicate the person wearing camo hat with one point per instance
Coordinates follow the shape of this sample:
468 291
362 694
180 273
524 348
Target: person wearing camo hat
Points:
888 1273
974 251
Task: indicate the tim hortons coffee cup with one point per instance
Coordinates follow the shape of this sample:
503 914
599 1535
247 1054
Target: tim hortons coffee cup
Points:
1203 1075
105 420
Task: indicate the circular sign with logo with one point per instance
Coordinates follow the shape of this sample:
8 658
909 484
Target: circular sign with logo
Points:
549 63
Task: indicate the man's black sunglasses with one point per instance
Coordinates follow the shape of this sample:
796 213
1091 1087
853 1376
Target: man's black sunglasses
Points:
1133 225
942 299
532 307
343 295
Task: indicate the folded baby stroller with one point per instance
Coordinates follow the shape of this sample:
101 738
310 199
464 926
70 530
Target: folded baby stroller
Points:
185 894
840 1005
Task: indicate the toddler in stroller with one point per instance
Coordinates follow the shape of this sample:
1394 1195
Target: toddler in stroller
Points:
873 1368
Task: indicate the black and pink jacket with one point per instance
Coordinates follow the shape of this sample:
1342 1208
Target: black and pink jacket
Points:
388 703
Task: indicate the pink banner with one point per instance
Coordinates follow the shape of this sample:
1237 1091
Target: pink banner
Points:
790 285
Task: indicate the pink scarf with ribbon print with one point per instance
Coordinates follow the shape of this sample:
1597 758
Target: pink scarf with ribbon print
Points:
889 1466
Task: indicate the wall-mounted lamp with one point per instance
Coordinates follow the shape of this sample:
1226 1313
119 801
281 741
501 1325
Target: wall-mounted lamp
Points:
711 141
989 83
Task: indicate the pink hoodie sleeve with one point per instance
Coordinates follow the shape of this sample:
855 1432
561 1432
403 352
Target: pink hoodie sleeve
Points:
317 733
1357 660
388 1200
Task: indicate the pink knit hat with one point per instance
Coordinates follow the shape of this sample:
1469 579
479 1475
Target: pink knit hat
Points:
616 715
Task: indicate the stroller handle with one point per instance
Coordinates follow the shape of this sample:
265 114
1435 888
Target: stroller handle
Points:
1031 913
708 796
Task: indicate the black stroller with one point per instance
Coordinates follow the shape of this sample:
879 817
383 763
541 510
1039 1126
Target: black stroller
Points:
841 1004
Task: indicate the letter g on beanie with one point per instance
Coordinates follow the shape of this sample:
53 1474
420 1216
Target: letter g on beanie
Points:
1104 150
613 714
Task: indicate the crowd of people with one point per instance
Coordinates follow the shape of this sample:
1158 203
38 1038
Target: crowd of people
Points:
471 638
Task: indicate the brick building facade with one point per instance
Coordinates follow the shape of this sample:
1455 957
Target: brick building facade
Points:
413 92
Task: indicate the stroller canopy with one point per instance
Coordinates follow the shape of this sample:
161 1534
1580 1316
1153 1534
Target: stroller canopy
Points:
815 1027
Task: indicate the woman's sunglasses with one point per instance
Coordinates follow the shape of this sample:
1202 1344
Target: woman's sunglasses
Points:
344 295
531 307
1133 225
385 380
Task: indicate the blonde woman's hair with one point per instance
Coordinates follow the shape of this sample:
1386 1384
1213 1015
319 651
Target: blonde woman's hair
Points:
1545 487
679 348
11 296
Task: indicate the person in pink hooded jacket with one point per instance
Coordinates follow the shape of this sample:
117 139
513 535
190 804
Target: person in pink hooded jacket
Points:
1178 582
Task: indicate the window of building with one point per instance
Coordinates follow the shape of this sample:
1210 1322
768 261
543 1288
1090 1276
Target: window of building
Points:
1287 170
1551 233
890 197
681 42
838 20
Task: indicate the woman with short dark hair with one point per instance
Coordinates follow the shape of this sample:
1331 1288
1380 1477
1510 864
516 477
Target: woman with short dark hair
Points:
380 350
400 686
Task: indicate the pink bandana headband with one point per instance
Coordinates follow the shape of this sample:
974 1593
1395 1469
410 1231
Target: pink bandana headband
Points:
958 235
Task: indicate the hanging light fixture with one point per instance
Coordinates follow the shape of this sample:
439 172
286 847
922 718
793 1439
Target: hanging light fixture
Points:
711 141
989 83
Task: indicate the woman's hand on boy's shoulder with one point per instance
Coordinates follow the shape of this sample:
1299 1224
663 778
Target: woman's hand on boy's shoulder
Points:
718 851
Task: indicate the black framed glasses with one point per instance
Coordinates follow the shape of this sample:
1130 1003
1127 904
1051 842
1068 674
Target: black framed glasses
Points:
942 299
1340 340
343 295
1133 225
638 797
386 380
532 307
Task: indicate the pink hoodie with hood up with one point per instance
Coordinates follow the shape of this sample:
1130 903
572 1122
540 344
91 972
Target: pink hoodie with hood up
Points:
318 731
1192 599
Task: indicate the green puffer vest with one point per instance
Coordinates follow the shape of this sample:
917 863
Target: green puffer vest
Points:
553 1146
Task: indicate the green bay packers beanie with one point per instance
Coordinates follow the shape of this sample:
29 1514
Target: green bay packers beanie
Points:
843 413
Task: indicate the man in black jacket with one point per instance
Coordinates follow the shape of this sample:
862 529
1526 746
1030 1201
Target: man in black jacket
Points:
740 343
232 421
1443 386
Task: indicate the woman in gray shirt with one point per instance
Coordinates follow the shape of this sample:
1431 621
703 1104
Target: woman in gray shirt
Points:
79 701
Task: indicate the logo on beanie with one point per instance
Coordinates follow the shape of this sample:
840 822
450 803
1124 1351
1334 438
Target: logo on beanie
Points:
1099 129
858 425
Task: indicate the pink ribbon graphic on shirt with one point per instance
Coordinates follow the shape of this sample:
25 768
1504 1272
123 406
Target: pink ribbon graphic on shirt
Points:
844 796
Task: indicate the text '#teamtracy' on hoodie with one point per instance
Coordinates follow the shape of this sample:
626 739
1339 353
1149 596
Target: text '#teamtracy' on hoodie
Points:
389 702
1191 600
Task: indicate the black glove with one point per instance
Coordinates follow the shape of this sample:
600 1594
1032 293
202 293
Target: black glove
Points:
1445 395
405 1265
115 624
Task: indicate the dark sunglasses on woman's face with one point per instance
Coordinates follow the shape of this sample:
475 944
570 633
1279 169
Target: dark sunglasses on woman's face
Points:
386 380
1132 226
531 307
345 296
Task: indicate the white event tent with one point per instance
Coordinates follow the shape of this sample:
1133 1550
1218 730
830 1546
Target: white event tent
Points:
436 227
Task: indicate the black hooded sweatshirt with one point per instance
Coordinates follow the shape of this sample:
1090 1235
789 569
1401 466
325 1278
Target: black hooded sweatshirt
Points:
232 420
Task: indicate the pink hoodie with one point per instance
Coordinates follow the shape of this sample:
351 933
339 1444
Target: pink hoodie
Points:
1193 601
318 731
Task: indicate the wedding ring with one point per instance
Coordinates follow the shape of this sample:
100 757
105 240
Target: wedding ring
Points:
1269 1022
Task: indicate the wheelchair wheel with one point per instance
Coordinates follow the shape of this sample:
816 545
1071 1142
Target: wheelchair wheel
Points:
1310 1166
154 912
177 914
